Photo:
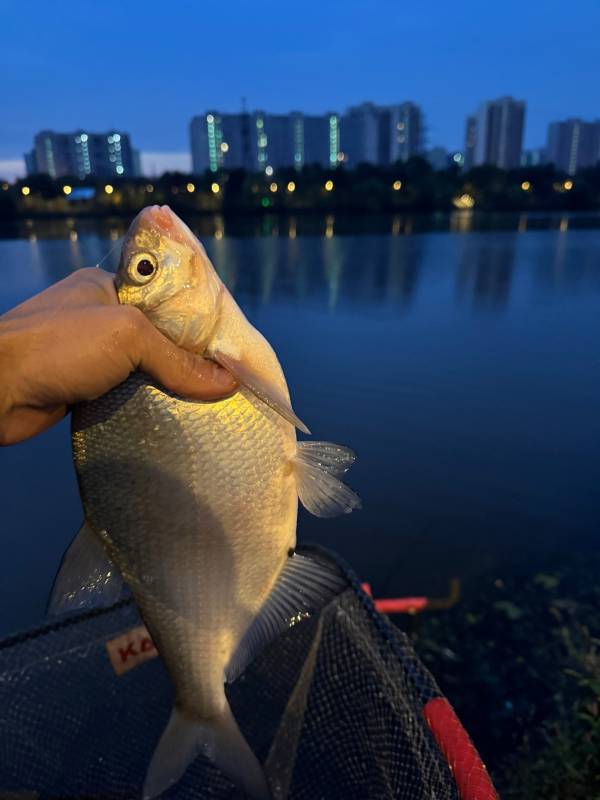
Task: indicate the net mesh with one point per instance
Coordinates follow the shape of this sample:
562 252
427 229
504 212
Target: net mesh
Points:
334 708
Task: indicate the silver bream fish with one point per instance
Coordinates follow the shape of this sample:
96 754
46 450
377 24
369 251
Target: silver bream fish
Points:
193 504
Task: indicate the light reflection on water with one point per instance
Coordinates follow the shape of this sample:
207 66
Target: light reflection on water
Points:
461 365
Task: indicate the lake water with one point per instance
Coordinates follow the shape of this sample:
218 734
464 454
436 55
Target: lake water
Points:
463 366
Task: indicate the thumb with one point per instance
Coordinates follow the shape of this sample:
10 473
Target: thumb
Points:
177 369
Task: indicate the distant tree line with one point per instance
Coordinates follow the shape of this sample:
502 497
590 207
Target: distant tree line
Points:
413 186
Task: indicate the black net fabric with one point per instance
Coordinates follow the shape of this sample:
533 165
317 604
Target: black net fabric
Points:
333 708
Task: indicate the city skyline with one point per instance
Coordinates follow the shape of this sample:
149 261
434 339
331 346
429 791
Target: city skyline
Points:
257 140
72 64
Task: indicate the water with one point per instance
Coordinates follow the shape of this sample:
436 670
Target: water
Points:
463 367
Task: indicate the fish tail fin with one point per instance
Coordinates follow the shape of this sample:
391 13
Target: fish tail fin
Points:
219 740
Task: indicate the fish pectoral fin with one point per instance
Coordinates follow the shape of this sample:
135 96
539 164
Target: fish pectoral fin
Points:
303 588
319 465
261 387
86 578
220 740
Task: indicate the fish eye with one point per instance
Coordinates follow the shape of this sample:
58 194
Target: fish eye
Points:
142 268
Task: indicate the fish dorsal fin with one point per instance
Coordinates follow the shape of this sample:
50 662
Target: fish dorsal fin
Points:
260 386
244 351
87 578
319 465
303 588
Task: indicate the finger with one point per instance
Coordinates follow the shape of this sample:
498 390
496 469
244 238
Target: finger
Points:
23 423
177 369
84 287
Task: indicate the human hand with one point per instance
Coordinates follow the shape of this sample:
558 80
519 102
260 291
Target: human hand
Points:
74 342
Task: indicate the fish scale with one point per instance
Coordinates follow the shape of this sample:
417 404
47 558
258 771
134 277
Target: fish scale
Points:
254 506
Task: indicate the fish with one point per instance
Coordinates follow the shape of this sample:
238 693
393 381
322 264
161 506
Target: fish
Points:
192 505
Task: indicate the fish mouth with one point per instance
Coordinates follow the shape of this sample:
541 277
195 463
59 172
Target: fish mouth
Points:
162 218
167 223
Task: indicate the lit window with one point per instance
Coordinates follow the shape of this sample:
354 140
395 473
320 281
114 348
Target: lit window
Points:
328 186
108 189
25 190
269 170
215 188
67 189
273 187
397 185
526 186
291 187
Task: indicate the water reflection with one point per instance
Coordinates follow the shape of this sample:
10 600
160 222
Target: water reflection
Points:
367 270
307 224
461 221
485 271
333 264
403 270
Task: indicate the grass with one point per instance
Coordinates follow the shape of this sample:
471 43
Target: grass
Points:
520 661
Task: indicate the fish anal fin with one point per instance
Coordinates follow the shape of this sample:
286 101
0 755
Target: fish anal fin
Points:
303 588
266 390
318 467
86 578
219 739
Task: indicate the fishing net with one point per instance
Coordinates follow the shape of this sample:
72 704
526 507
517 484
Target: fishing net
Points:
338 707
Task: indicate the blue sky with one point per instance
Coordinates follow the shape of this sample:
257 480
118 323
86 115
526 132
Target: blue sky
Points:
147 67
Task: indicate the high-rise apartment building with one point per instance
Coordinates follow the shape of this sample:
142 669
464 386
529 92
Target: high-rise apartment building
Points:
497 129
470 140
82 154
360 135
406 132
222 141
573 144
381 134
258 140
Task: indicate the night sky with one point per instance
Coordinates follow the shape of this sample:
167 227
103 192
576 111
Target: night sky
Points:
147 67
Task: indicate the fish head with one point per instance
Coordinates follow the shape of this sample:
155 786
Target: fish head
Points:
165 272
